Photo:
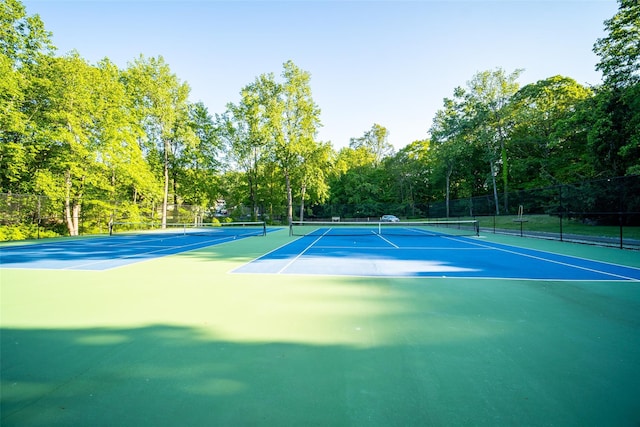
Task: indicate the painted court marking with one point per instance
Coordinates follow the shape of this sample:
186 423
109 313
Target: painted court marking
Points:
558 262
299 255
102 253
460 257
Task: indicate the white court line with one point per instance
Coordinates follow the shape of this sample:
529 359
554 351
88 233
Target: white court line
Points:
297 257
389 242
409 248
445 277
301 253
557 262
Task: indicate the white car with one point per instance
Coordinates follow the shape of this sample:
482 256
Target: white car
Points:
389 218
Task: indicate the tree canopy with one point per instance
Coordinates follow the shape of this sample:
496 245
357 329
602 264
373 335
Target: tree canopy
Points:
132 140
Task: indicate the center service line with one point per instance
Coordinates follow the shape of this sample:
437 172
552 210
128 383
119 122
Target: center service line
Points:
301 253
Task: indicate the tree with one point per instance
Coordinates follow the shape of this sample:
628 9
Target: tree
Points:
244 128
488 98
161 105
546 143
23 39
272 130
619 51
409 174
312 176
84 139
71 166
24 44
199 163
375 140
293 119
129 175
349 167
451 141
15 161
614 135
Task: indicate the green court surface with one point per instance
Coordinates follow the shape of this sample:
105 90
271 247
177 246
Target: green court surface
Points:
183 341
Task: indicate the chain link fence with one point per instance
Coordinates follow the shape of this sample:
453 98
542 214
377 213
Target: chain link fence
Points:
25 216
605 211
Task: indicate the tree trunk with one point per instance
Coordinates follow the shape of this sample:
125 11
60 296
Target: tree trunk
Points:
495 188
68 217
174 186
165 195
505 177
289 198
303 191
253 185
448 189
71 208
76 218
251 178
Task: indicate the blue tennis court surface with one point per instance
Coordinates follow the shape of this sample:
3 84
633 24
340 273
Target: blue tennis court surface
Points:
434 256
103 253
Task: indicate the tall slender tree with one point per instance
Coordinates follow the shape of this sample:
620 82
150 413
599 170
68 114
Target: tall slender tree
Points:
294 119
450 137
161 104
376 141
199 163
312 176
488 96
244 128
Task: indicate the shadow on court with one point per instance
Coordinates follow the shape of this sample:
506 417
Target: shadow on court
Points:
527 365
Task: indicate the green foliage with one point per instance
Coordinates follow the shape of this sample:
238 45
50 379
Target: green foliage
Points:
22 38
23 45
619 51
375 142
613 132
274 128
160 101
547 144
130 139
24 232
614 114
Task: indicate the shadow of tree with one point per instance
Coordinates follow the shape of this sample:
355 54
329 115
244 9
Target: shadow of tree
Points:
168 375
171 375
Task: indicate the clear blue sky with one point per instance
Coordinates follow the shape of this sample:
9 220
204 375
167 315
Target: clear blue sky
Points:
385 62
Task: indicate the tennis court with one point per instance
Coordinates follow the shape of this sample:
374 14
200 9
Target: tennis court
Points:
124 247
423 250
391 330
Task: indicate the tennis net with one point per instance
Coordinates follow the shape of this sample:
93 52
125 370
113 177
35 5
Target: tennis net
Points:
237 229
408 228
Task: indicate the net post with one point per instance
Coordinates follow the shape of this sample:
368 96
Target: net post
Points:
110 228
290 229
264 228
477 227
